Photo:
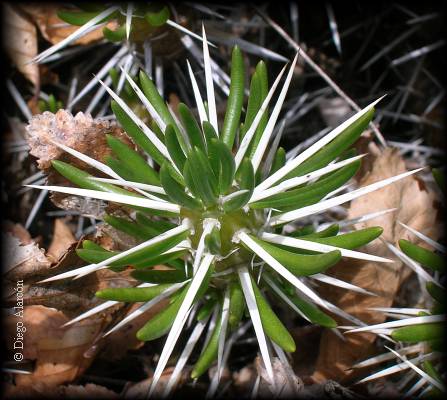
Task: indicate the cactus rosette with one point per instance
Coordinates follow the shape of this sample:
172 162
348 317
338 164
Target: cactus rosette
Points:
225 212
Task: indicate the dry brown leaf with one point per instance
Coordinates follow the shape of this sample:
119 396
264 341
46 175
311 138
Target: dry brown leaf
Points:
20 42
20 261
19 231
71 296
53 28
63 238
61 353
415 203
118 343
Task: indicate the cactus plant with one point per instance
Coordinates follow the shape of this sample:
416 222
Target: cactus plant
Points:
225 212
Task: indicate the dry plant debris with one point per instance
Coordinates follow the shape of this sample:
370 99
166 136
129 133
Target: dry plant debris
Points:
53 28
21 45
414 202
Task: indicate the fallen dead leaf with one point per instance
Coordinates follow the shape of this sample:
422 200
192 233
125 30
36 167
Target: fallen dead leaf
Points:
415 204
18 231
20 42
63 238
61 353
121 341
53 28
70 296
20 261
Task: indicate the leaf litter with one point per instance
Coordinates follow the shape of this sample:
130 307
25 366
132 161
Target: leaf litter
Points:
414 202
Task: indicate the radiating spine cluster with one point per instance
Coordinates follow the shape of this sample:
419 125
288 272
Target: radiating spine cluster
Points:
210 204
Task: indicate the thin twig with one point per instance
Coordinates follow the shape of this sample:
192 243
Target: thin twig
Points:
320 71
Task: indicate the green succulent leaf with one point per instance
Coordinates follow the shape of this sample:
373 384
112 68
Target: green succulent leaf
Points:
133 294
350 240
235 98
133 161
305 230
331 230
200 177
209 132
222 163
142 255
335 148
311 193
172 259
81 179
423 256
246 181
174 148
213 241
278 161
121 169
142 258
157 16
299 264
206 310
253 105
314 314
192 128
273 327
437 292
116 35
130 227
153 226
237 304
160 323
136 133
174 190
419 333
97 256
261 71
80 18
209 354
151 92
431 370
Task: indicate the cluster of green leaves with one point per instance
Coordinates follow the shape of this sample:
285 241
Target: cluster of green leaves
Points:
205 181
52 104
147 17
